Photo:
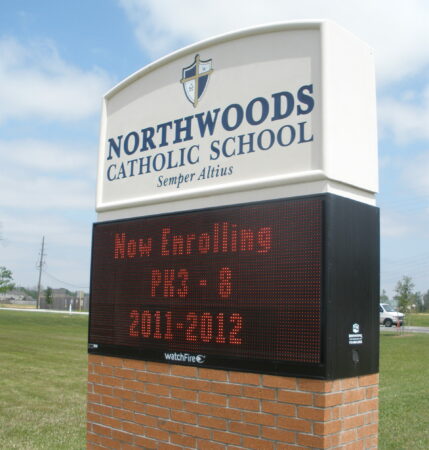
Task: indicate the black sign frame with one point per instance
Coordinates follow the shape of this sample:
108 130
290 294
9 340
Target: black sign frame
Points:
349 333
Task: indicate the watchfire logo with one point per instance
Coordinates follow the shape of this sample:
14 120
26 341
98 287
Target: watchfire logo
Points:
185 357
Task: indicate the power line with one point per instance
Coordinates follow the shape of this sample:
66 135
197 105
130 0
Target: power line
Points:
420 257
64 282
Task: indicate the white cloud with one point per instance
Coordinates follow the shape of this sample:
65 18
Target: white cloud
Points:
36 83
416 174
46 192
393 225
397 30
61 230
48 156
43 175
405 116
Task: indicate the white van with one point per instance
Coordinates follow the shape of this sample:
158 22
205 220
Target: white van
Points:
388 316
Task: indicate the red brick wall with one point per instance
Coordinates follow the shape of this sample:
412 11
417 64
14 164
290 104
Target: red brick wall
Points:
137 404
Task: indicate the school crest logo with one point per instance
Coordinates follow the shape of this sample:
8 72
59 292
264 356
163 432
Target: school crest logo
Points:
195 78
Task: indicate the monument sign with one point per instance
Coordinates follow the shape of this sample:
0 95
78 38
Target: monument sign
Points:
237 226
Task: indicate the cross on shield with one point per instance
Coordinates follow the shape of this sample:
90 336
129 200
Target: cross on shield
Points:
195 78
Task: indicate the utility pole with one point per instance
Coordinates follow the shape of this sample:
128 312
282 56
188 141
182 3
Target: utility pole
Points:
40 266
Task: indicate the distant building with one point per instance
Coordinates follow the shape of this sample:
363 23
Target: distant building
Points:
62 299
16 297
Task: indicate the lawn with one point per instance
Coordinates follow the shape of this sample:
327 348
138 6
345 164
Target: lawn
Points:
43 375
417 320
404 391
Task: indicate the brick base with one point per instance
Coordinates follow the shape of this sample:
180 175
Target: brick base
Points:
138 404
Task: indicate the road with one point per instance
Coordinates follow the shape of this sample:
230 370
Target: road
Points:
407 329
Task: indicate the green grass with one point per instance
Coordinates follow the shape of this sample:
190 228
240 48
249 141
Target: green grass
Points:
43 366
417 320
404 391
43 369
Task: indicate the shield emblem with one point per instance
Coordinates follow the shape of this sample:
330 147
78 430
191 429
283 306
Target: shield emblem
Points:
195 78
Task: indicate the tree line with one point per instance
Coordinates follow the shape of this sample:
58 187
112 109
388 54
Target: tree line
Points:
406 299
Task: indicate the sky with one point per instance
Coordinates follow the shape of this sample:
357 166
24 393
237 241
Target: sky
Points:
58 59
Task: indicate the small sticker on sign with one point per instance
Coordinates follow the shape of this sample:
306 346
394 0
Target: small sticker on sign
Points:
356 337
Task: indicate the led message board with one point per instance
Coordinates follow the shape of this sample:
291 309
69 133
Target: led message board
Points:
239 287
